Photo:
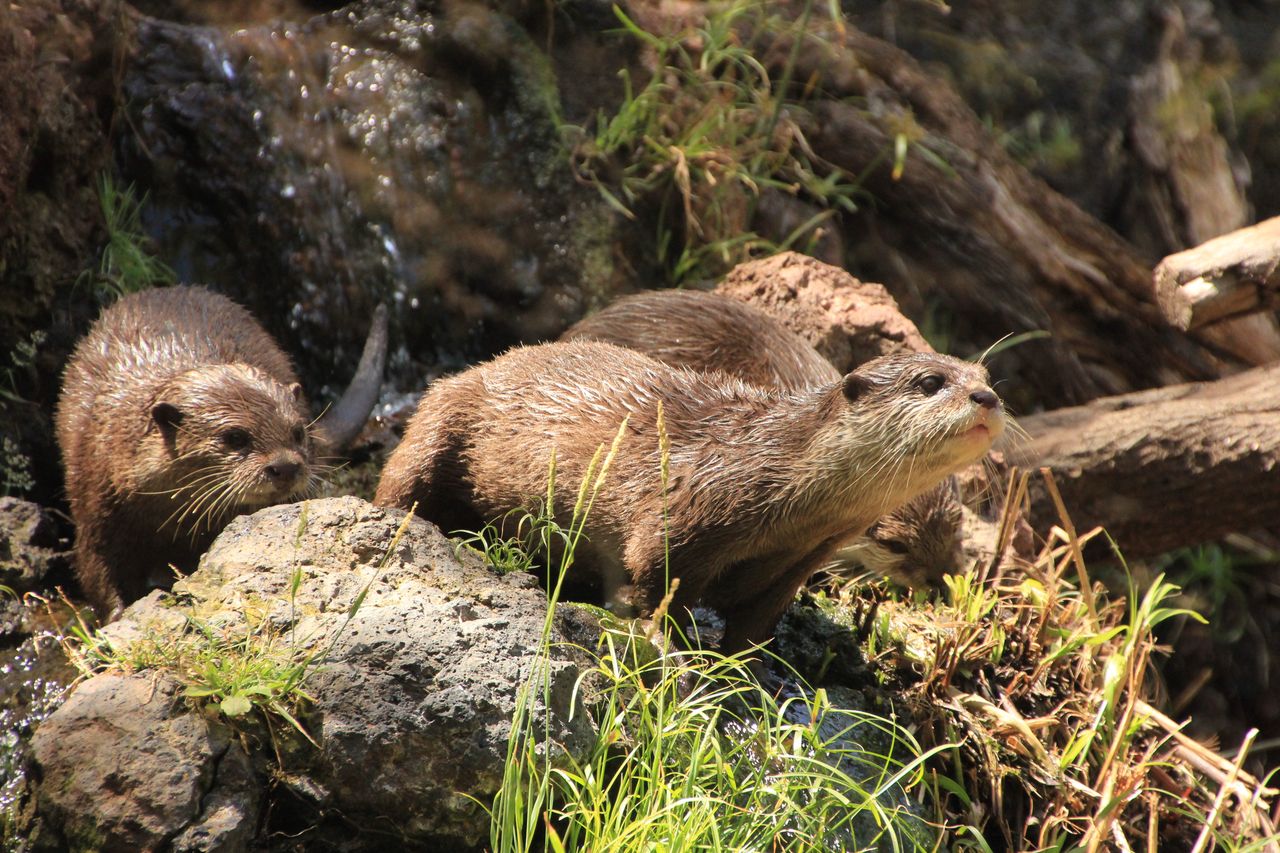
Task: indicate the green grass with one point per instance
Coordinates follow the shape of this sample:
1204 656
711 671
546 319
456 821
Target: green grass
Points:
691 752
125 265
706 134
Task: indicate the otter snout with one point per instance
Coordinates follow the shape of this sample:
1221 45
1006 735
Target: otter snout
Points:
283 475
986 398
987 419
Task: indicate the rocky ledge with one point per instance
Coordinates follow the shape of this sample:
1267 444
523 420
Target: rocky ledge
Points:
411 697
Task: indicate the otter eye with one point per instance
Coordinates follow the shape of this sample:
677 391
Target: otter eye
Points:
931 383
235 439
298 435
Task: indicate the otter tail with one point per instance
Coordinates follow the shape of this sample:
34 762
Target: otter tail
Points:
343 421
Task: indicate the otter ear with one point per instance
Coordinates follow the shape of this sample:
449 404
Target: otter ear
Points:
855 385
296 390
167 417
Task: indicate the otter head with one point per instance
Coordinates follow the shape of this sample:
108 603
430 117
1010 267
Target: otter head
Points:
918 542
231 439
913 419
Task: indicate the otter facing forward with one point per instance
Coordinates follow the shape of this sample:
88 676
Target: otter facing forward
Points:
178 412
762 484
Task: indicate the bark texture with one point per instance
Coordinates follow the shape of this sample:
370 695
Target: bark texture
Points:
1164 468
1234 275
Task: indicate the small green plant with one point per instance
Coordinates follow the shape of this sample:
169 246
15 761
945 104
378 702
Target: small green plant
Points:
125 266
707 134
1043 141
21 358
15 468
534 536
1217 578
234 669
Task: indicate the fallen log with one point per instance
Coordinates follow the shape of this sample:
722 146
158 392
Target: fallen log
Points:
977 232
1163 468
1231 276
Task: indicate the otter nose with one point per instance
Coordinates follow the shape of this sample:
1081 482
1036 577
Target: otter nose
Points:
282 472
986 399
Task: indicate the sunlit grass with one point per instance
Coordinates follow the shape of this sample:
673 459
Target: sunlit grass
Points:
691 751
125 265
703 137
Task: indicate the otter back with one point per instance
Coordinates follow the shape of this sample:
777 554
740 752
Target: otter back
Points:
762 484
707 331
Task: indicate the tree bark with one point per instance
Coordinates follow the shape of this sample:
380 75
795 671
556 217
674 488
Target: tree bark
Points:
1229 276
1164 468
1003 250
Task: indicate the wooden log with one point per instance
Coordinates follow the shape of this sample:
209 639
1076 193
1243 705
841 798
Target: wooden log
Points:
1229 276
964 223
1163 468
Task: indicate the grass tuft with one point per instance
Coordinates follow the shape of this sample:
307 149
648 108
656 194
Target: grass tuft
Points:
707 134
125 265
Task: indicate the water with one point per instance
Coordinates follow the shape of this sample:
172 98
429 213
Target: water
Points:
34 679
314 167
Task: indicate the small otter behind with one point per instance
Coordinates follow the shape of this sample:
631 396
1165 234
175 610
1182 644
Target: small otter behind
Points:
707 331
178 412
915 544
762 487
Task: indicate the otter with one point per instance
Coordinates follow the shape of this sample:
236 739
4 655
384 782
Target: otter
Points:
915 544
178 411
708 331
761 485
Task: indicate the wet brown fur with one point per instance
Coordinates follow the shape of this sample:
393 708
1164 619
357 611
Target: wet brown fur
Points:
146 422
763 484
708 331
915 544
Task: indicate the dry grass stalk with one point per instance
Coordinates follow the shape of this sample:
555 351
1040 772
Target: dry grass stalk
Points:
1043 685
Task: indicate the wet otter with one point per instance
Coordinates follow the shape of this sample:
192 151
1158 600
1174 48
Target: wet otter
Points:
707 331
178 412
762 486
915 544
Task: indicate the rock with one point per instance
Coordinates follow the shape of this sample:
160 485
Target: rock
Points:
413 694
126 765
31 549
846 320
452 199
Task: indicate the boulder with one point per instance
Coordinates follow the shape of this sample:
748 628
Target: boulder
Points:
412 691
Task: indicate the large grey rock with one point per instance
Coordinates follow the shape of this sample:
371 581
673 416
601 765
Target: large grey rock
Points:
413 694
